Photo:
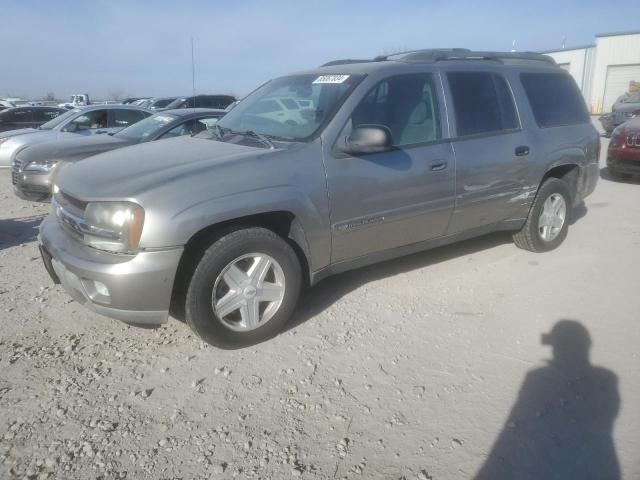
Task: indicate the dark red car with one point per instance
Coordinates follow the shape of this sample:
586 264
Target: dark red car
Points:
623 157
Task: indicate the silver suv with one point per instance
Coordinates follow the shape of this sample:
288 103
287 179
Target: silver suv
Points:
316 173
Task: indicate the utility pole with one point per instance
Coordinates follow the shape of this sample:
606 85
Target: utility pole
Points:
193 70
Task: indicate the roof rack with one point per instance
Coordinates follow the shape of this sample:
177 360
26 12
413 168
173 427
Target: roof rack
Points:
442 54
346 61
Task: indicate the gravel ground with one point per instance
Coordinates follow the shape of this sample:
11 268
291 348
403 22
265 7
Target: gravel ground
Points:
407 369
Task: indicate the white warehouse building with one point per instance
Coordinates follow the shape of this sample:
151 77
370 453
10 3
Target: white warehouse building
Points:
603 71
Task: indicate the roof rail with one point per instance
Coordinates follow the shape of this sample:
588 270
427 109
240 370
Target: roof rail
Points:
442 54
423 56
346 61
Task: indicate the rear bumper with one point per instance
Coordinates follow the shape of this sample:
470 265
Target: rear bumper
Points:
139 286
624 160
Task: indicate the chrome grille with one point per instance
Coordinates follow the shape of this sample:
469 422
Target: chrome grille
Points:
16 168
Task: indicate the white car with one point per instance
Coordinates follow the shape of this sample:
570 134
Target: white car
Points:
79 121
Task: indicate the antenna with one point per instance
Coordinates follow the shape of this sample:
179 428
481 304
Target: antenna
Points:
193 70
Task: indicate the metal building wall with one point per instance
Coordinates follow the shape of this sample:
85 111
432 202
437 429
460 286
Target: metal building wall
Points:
589 65
612 50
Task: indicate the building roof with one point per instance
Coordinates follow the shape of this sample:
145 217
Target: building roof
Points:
616 34
568 49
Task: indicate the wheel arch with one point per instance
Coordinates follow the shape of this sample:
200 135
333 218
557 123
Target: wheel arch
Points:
282 222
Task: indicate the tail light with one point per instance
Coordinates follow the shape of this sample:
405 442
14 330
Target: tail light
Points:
617 138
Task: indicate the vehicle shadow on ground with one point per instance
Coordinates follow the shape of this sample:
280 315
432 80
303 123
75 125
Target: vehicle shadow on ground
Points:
562 422
16 231
605 175
318 298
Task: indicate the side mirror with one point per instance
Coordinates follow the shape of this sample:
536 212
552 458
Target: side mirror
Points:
369 139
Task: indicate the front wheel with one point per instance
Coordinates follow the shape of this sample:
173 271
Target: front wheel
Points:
244 289
548 222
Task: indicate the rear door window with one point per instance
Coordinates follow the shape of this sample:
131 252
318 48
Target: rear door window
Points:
482 103
23 115
554 99
46 114
121 118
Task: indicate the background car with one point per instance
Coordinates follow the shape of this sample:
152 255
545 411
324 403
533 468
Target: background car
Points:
79 121
202 101
625 108
157 103
130 100
35 168
27 117
623 155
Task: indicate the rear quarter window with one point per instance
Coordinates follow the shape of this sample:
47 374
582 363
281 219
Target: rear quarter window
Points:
555 99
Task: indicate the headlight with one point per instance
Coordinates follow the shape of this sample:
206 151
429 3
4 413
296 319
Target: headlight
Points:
40 166
2 140
114 226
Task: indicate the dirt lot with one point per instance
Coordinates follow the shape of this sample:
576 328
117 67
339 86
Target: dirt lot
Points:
408 369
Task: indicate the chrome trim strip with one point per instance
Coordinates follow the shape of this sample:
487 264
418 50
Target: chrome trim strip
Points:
79 225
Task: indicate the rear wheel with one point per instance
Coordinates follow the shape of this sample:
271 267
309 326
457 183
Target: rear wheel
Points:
548 222
244 289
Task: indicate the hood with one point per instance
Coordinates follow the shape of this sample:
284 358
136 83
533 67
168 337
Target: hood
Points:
632 125
625 107
129 172
74 148
20 131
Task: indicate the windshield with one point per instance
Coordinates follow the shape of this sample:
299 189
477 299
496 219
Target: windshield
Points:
146 128
60 119
162 102
176 103
291 108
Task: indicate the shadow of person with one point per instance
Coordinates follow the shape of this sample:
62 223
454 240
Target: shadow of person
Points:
561 425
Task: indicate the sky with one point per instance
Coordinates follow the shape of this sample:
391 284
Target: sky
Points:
136 48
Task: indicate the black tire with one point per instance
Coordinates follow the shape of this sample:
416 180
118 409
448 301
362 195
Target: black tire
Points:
617 175
199 311
528 238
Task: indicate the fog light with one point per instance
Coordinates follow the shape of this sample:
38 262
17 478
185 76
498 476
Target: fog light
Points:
101 288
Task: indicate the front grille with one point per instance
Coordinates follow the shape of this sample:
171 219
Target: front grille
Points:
633 140
15 170
70 203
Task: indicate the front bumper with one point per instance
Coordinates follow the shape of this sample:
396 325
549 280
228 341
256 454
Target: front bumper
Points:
139 286
30 185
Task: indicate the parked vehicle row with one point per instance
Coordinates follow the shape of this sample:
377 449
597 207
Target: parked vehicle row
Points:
78 121
313 174
35 168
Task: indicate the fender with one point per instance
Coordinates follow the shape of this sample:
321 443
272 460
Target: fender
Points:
309 229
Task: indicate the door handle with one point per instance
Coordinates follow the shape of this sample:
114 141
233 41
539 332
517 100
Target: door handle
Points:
437 165
522 151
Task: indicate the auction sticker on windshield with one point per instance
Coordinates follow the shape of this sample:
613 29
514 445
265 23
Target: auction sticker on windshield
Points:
331 79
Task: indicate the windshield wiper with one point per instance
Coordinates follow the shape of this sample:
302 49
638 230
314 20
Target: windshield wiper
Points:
263 138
